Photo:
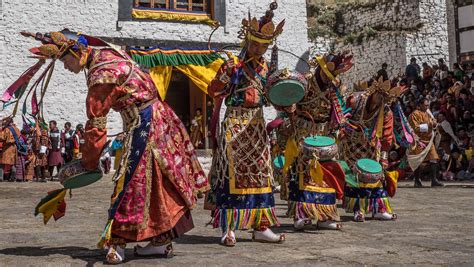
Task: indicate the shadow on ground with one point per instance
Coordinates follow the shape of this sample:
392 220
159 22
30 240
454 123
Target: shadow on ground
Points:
90 256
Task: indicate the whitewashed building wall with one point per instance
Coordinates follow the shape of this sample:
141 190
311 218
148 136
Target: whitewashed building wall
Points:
65 100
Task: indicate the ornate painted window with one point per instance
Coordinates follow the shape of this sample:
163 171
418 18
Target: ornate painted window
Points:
199 11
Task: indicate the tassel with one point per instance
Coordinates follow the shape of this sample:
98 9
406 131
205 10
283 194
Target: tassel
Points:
291 152
316 171
106 235
51 204
22 82
239 219
303 210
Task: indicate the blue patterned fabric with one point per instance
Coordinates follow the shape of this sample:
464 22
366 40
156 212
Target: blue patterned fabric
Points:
295 194
373 193
225 200
139 141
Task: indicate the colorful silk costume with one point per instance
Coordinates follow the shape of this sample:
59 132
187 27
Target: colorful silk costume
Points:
159 175
312 194
370 134
241 173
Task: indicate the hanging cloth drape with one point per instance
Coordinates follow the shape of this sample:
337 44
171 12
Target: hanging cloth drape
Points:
201 76
200 66
161 76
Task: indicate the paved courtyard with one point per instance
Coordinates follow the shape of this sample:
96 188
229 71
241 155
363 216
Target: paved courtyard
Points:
434 227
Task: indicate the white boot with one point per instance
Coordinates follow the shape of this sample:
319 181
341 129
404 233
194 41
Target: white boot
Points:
163 251
115 254
385 216
267 236
228 239
330 225
299 224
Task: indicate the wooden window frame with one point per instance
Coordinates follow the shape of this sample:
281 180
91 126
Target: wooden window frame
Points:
172 5
460 56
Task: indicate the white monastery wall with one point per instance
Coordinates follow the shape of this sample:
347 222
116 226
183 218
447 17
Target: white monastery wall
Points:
65 99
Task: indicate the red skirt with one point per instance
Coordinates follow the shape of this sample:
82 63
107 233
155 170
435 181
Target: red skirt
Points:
55 158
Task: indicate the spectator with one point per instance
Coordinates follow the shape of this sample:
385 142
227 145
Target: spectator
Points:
455 89
21 155
446 137
42 150
464 139
467 120
459 164
467 83
442 65
428 72
78 141
412 71
67 140
458 71
437 86
55 158
9 150
424 152
31 157
383 72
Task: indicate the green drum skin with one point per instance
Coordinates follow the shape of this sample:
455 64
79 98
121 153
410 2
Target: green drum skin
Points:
369 166
369 171
286 93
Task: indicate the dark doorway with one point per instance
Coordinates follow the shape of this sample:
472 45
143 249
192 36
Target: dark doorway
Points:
178 97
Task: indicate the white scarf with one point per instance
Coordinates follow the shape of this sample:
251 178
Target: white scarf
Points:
415 160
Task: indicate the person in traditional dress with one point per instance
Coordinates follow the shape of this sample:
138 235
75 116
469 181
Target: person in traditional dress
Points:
22 156
241 172
424 151
159 177
67 140
78 141
55 159
41 150
31 157
370 135
197 128
311 194
8 157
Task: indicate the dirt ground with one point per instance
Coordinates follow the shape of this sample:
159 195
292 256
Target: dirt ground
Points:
434 227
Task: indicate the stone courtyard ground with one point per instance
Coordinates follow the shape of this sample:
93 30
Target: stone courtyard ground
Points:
435 226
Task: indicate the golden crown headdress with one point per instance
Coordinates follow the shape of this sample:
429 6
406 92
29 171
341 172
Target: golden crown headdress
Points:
389 92
57 44
263 30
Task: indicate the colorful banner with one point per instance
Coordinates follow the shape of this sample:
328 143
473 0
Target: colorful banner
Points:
200 66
